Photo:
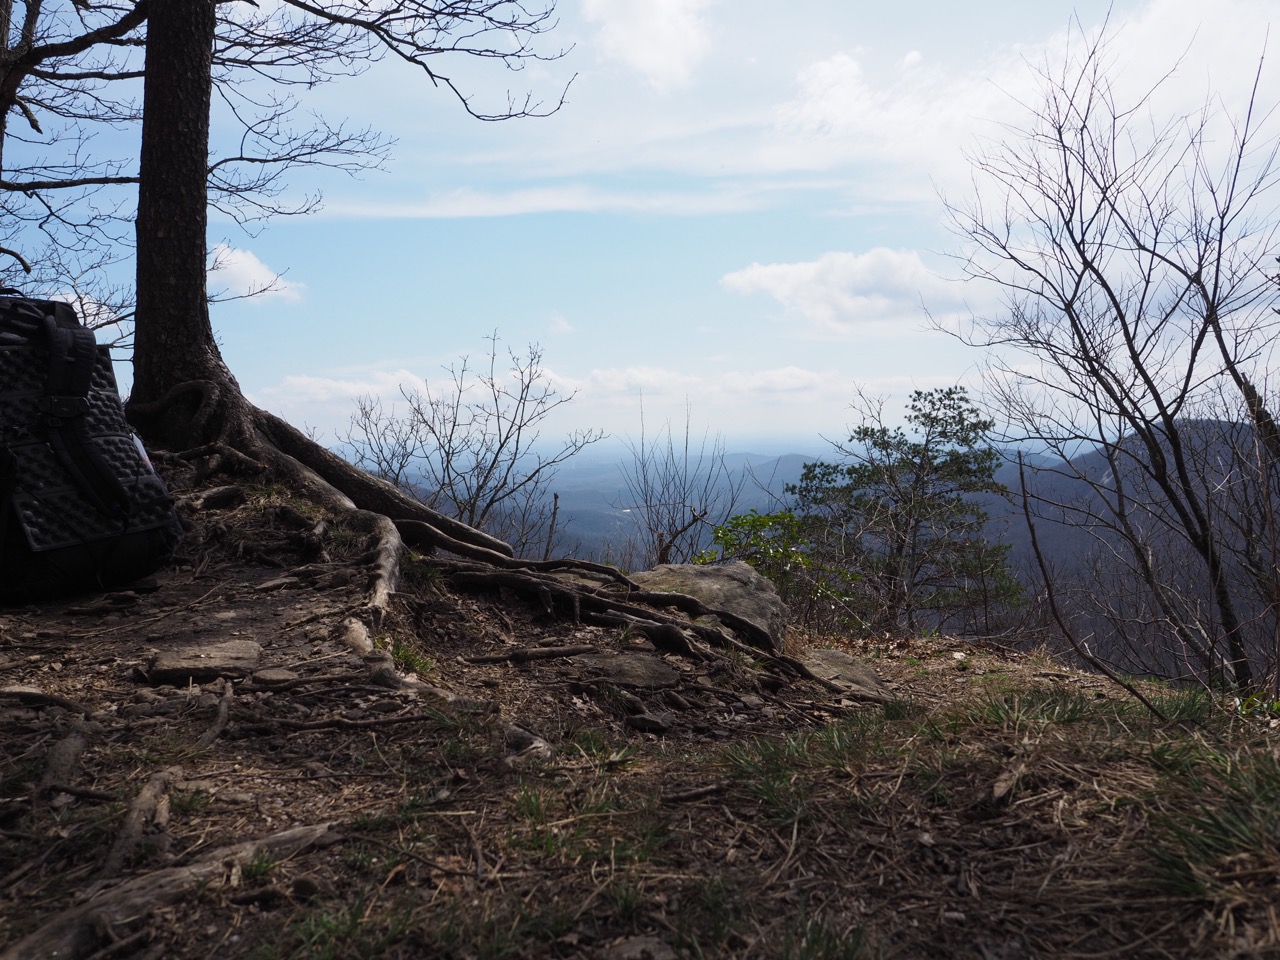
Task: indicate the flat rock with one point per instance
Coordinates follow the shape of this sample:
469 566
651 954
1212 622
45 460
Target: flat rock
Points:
842 668
232 659
272 676
631 669
734 588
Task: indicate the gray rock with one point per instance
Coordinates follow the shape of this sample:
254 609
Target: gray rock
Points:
274 676
858 680
631 669
734 588
233 659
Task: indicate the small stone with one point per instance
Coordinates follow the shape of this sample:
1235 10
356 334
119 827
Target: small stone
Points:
279 583
273 676
649 722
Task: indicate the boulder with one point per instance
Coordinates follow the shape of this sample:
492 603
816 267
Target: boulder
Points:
734 588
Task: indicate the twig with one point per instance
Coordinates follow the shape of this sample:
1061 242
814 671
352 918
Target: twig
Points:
696 793
342 723
522 654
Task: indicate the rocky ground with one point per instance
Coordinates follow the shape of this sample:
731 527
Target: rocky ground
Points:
230 761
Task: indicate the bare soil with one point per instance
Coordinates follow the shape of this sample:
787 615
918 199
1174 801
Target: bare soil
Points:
465 780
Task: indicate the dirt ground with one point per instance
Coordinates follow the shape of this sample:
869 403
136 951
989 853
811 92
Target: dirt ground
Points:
222 762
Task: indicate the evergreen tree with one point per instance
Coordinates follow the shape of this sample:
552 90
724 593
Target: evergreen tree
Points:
900 514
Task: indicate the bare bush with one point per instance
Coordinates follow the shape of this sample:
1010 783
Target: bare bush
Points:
473 447
1132 255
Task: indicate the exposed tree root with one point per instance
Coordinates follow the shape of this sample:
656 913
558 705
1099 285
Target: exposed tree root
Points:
586 592
38 698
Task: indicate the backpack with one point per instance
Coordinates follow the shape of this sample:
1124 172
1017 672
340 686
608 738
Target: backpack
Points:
81 507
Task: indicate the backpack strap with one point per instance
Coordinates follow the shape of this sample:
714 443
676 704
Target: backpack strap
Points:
73 353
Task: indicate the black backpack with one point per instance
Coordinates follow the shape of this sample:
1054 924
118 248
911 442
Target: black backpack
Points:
80 506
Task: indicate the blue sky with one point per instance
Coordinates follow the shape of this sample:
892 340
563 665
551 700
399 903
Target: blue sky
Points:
736 212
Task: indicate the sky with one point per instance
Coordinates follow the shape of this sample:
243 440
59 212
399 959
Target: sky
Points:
735 220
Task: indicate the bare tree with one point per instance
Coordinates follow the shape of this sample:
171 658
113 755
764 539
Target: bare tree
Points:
69 100
677 489
1132 255
64 73
474 449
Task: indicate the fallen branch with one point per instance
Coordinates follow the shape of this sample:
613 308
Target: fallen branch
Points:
60 767
77 932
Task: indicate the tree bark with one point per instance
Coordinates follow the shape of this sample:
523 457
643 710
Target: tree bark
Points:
174 342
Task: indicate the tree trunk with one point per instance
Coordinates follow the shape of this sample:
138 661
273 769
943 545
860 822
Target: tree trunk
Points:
178 370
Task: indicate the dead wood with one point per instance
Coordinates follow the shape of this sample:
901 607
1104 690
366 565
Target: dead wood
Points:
145 807
220 719
60 767
77 932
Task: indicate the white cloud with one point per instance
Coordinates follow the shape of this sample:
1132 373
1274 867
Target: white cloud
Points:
327 403
905 130
468 202
790 400
793 400
880 123
662 40
239 273
560 325
843 293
